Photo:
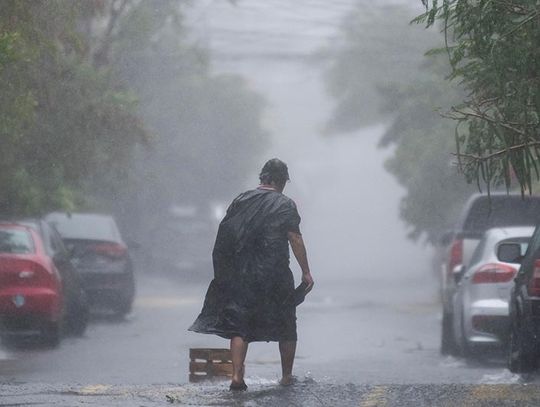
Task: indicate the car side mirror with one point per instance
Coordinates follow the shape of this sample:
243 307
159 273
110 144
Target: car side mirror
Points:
458 272
509 253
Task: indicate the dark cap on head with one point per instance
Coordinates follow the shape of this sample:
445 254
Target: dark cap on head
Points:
274 170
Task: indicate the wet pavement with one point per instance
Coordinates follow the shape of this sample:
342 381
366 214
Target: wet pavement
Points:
357 347
307 393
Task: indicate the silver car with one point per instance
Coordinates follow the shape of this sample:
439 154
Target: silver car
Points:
480 303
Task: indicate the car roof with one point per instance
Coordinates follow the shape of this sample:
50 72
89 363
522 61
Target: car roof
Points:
482 212
14 224
511 231
90 226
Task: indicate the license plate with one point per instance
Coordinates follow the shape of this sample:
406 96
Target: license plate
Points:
18 300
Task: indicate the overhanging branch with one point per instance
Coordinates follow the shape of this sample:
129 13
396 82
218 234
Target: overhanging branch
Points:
483 158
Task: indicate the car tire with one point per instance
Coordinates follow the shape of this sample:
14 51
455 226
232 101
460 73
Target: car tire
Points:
521 354
77 320
123 307
468 350
448 342
51 334
472 352
78 323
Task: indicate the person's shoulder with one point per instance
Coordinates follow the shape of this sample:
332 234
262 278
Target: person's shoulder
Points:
287 201
244 194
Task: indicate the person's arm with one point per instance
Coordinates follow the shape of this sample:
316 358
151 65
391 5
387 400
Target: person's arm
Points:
299 250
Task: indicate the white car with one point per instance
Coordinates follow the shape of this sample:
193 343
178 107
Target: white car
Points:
480 303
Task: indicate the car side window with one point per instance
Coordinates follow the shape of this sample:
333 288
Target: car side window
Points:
46 237
477 254
532 251
535 242
56 241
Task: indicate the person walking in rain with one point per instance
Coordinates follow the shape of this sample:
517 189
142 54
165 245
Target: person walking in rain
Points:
252 295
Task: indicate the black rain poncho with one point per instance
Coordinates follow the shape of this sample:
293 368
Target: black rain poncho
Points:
252 293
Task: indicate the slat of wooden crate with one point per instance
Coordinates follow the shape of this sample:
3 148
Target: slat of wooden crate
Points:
222 369
197 367
210 354
213 369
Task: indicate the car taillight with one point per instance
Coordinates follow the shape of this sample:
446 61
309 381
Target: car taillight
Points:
456 255
494 273
534 283
113 250
34 275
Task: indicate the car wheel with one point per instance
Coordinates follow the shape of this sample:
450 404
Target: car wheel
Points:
51 334
448 342
521 355
471 351
467 349
123 308
78 322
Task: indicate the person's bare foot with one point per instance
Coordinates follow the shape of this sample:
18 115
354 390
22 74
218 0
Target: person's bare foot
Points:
238 386
288 380
237 382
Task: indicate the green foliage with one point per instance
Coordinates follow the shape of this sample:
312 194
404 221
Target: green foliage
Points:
493 51
81 81
422 142
379 47
61 119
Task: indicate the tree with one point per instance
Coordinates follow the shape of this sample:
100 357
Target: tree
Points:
375 77
62 120
205 129
368 56
422 145
493 49
88 88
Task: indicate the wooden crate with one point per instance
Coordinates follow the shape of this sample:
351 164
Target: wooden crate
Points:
209 364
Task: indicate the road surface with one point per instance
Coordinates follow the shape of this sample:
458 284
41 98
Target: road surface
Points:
356 345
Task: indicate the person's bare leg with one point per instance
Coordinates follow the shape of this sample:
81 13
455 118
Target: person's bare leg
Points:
239 349
287 349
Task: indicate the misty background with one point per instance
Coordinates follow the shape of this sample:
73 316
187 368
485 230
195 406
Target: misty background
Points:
162 112
348 202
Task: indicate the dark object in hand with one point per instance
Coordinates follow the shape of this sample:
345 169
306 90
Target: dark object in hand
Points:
300 294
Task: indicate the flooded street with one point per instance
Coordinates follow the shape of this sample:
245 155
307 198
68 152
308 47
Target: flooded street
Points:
355 344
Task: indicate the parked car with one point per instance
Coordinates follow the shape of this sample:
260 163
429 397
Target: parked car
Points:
524 346
40 291
100 256
479 214
481 317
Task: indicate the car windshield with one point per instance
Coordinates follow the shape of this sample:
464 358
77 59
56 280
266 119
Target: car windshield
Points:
15 241
502 211
88 227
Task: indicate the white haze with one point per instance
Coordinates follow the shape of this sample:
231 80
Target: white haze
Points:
349 203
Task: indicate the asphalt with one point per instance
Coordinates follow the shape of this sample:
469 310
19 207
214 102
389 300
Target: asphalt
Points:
306 393
357 346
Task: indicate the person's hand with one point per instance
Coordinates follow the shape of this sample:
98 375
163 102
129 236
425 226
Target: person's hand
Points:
307 279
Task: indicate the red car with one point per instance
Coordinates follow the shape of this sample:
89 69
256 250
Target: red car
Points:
38 287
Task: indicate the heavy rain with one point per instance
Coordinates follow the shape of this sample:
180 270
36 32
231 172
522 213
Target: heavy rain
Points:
129 127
